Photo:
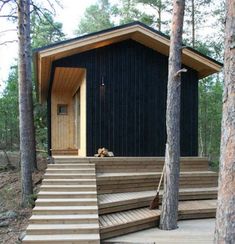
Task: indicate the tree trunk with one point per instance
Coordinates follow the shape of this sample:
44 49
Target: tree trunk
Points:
193 23
24 109
160 16
201 151
6 131
205 128
225 215
169 214
32 145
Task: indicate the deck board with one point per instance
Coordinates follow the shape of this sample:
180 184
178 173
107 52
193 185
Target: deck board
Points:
110 198
115 202
115 223
147 181
129 175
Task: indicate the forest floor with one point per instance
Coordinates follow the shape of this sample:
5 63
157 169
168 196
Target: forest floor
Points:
13 218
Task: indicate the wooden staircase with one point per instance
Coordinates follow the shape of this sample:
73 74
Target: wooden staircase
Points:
66 210
126 186
75 190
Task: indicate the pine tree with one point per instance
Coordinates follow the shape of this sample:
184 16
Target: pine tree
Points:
169 213
44 30
160 8
24 101
225 215
128 12
96 17
196 15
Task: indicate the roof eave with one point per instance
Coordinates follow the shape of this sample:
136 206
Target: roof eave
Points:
103 38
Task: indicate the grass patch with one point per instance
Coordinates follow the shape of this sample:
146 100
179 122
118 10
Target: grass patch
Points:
214 165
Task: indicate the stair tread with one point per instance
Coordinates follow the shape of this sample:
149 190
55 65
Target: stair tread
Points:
119 197
66 193
82 180
67 200
67 216
87 174
70 169
130 174
65 208
72 164
197 205
132 216
62 226
66 237
123 158
129 216
68 186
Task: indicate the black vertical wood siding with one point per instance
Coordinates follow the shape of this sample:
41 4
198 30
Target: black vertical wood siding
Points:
127 114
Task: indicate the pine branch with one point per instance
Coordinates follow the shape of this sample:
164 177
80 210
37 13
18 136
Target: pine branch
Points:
7 42
4 2
39 11
178 73
59 3
9 16
52 6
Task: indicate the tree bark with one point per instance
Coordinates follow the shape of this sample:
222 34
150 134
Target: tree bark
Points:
160 16
169 213
225 215
24 109
193 23
32 145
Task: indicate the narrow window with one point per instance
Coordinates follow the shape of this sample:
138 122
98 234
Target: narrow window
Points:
62 109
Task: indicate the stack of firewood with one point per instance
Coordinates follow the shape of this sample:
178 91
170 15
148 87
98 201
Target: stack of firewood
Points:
103 152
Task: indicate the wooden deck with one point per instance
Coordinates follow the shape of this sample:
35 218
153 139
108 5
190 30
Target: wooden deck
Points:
130 200
75 190
131 182
120 223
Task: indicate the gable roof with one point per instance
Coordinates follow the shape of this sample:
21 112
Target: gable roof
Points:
43 57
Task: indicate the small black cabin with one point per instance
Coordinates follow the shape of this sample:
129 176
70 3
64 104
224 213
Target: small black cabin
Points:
108 89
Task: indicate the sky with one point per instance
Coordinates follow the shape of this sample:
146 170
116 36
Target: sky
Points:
70 15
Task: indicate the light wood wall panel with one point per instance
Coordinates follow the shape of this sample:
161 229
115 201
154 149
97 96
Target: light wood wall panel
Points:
63 130
82 151
62 125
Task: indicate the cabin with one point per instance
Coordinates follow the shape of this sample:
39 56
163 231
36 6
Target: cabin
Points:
108 89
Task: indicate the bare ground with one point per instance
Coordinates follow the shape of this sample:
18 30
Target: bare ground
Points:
10 197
